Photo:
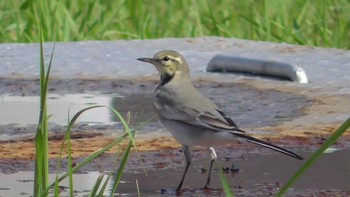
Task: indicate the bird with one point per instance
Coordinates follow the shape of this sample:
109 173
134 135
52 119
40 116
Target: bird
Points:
192 118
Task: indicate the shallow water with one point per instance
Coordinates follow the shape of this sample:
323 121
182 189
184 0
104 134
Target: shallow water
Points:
259 175
261 109
10 183
23 110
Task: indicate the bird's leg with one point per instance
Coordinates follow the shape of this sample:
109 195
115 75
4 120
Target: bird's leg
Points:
213 158
188 163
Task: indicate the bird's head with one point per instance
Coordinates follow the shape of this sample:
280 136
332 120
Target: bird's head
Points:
169 63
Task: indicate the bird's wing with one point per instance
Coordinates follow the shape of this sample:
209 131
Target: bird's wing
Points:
215 119
219 121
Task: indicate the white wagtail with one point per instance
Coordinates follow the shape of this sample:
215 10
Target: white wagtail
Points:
192 118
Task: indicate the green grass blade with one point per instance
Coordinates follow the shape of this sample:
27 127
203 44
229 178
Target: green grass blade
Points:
49 69
56 187
121 168
103 189
67 138
90 158
125 125
96 186
225 185
331 140
41 172
58 166
98 152
70 164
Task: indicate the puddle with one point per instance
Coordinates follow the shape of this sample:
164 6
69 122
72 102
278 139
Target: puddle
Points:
9 183
24 110
19 114
249 107
259 175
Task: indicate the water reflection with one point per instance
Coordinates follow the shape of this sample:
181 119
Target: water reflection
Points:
139 106
10 183
23 110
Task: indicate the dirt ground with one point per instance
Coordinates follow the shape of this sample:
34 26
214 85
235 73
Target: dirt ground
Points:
288 131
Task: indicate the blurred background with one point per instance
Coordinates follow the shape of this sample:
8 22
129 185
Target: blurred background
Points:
324 23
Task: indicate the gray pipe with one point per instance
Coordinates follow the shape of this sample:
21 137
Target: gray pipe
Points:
256 66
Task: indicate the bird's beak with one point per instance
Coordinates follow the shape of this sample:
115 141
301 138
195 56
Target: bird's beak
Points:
146 59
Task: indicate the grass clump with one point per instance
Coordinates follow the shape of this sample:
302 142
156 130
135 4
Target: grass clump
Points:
318 23
41 174
41 138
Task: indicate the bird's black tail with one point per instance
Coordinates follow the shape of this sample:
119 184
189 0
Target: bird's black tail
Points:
270 146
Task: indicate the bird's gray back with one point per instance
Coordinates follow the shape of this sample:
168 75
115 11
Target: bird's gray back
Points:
179 100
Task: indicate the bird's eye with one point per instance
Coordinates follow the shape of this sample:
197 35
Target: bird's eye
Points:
166 58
